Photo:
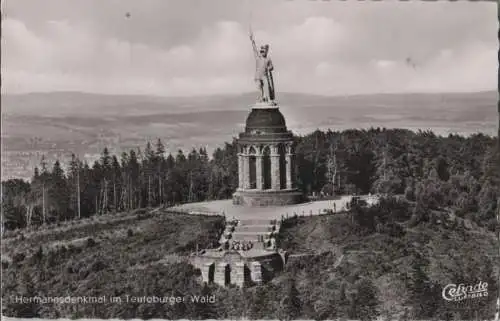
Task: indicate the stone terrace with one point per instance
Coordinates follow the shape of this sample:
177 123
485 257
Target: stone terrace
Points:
227 208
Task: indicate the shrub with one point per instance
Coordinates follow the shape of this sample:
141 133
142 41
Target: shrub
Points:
5 264
91 242
98 266
74 249
18 257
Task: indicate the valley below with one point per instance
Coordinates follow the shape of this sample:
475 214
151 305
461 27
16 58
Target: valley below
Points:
58 124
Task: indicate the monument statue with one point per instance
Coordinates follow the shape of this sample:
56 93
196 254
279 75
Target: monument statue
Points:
263 72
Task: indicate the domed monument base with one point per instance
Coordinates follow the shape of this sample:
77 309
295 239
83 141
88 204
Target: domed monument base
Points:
266 160
267 197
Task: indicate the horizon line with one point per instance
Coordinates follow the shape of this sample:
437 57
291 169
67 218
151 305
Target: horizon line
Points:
248 93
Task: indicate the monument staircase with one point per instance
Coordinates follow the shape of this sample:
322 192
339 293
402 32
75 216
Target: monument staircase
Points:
255 233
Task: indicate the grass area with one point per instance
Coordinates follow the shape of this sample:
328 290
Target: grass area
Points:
155 227
454 254
120 255
106 257
314 234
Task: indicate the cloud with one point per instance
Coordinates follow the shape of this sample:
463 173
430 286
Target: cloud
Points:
316 48
75 59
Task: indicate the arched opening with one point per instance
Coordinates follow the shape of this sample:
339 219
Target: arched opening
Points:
266 167
247 278
282 164
211 273
252 169
252 173
227 275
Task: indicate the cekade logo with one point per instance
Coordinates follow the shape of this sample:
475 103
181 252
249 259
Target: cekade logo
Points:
454 292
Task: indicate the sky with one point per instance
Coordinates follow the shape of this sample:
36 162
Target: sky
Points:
199 47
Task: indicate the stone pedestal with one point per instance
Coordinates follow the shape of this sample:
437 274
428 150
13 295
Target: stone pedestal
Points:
267 197
265 105
268 140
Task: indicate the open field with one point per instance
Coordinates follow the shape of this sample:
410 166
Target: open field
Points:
57 124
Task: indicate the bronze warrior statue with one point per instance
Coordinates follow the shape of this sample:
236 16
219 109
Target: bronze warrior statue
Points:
263 72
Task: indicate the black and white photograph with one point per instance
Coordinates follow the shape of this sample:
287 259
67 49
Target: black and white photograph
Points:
250 160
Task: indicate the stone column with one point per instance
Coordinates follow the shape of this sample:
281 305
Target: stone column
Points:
238 274
275 168
246 169
258 170
205 272
256 272
220 274
289 182
240 170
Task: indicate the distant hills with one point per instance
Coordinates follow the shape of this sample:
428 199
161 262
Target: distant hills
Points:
59 123
77 103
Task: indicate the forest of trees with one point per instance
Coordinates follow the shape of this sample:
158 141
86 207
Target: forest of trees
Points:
136 180
447 171
423 179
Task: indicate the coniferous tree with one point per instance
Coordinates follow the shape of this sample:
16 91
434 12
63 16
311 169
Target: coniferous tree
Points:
126 177
97 187
57 194
135 179
16 207
26 289
74 185
160 167
106 180
424 296
117 183
366 300
169 179
87 191
290 306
